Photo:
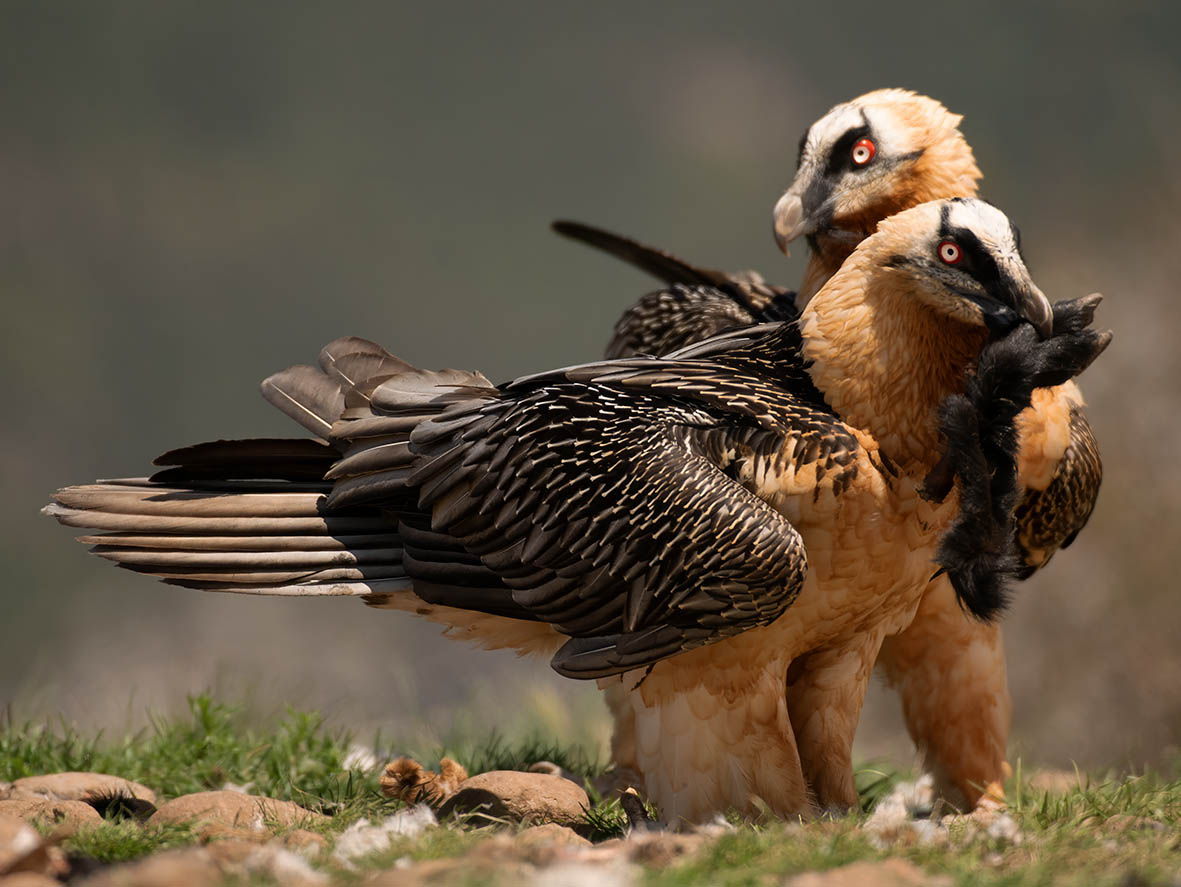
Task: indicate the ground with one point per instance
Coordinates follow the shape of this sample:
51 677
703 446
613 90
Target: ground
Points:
1060 828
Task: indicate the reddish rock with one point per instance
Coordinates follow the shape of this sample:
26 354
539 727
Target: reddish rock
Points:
307 844
546 844
76 786
17 838
184 867
519 797
29 879
51 812
661 849
233 810
891 873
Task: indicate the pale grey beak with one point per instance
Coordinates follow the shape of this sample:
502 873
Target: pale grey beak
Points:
788 220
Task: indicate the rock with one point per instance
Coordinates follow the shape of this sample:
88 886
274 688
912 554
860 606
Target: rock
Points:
520 797
550 834
662 849
410 782
17 838
29 879
51 812
75 786
187 866
1054 782
213 831
462 870
579 873
230 852
234 810
549 843
200 866
891 873
24 852
307 844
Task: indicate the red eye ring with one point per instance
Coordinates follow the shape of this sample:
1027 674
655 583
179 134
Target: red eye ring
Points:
863 152
950 252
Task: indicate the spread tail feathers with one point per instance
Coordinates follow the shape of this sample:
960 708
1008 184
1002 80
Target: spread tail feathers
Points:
244 516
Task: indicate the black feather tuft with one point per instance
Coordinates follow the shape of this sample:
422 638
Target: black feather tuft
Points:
119 806
979 550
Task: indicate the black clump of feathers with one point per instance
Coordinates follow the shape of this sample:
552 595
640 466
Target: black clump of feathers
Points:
979 550
118 806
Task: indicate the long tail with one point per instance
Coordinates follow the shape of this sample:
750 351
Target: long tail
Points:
267 516
240 516
253 515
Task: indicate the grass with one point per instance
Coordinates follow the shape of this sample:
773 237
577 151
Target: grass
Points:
1108 830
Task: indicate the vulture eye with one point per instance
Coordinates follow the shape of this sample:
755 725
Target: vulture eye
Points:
950 252
863 152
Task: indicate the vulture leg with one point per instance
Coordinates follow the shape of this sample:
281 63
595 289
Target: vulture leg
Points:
949 670
825 690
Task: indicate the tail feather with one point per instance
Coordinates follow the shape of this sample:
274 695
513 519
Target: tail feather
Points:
237 526
350 542
351 360
307 395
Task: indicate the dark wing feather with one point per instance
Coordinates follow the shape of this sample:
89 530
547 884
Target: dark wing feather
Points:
603 499
1050 519
699 303
660 264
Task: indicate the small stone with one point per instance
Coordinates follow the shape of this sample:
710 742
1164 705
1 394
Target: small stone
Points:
76 786
890 873
519 797
51 812
231 852
548 843
17 838
234 810
188 866
307 844
29 879
662 849
582 873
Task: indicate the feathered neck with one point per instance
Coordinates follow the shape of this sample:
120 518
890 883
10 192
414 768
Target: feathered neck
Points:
884 360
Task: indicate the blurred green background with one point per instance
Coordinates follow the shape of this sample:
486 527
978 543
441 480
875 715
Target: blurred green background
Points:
193 195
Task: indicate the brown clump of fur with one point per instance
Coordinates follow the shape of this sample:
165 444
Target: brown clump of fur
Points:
407 780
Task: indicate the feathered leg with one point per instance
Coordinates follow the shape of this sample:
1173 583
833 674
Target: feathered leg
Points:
949 670
825 691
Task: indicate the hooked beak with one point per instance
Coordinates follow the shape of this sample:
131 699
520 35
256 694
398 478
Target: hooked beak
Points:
1023 296
1015 294
789 220
1032 305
